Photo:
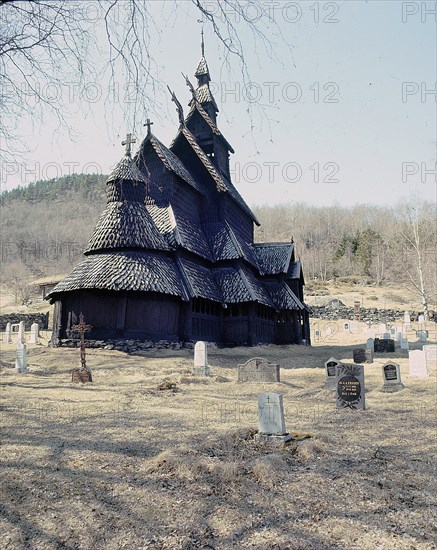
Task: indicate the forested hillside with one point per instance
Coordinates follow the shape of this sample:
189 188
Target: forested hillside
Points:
45 226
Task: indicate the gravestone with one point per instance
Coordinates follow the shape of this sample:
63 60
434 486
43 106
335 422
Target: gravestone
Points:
34 334
350 386
391 375
407 319
384 345
430 351
370 346
81 376
354 327
271 421
386 336
201 359
359 355
258 370
417 363
7 337
404 344
398 335
421 319
21 332
331 371
422 335
21 357
346 326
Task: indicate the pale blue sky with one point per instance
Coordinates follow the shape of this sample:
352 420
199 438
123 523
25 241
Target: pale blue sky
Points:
351 122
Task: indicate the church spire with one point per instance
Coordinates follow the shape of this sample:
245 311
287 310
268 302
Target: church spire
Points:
203 92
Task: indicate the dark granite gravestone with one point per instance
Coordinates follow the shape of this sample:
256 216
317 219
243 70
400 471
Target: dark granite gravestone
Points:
258 370
392 377
359 355
350 386
384 345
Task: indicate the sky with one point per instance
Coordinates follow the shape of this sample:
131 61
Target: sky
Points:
343 112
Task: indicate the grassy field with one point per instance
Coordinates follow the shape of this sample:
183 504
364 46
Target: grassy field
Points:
120 464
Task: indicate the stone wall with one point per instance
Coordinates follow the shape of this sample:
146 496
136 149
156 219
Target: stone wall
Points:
41 318
373 315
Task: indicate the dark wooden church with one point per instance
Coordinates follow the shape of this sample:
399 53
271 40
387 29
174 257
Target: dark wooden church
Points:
173 255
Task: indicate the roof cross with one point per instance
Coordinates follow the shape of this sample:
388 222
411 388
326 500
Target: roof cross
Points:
148 124
128 141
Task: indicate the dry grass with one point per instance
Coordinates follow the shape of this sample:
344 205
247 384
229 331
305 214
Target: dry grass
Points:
120 464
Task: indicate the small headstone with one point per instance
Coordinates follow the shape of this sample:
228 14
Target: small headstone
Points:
369 355
21 332
201 367
21 357
398 336
350 386
407 318
417 363
370 346
404 344
34 334
331 371
430 351
258 370
422 335
387 336
391 375
346 326
271 420
81 375
359 355
7 337
384 345
421 319
354 327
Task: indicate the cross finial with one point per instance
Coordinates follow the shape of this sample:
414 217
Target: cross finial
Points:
128 141
148 124
202 43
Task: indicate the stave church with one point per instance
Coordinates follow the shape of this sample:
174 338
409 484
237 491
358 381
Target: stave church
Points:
173 255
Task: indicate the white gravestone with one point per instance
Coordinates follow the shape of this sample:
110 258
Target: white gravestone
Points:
271 421
387 336
201 359
370 345
331 371
417 362
21 357
7 337
421 319
34 334
391 375
404 344
430 354
398 335
407 318
21 331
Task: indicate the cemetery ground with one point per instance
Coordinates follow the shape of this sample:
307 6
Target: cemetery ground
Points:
119 463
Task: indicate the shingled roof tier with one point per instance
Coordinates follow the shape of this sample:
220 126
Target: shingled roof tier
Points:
132 271
273 258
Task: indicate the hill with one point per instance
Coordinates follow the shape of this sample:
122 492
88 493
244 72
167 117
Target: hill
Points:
46 224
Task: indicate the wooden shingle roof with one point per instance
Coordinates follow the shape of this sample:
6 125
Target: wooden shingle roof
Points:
273 258
132 271
240 285
282 296
126 225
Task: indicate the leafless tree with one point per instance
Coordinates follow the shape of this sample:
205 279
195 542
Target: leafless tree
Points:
47 46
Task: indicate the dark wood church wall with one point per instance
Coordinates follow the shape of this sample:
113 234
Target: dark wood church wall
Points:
123 315
186 200
239 220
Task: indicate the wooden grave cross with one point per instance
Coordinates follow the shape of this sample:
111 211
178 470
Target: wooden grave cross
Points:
81 328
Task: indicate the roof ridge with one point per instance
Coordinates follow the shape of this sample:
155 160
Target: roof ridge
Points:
247 284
